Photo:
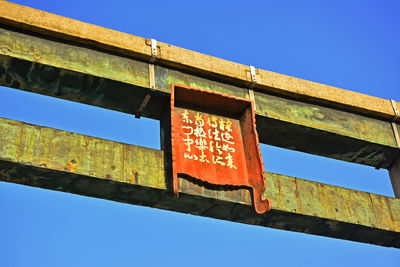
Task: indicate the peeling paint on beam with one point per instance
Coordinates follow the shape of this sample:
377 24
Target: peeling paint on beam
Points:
69 162
97 78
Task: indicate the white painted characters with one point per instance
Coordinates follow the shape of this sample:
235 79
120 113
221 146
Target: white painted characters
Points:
208 139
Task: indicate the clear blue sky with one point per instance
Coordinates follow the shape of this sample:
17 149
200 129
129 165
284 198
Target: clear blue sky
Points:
348 44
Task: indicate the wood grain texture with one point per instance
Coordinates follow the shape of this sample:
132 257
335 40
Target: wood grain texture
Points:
92 77
69 162
44 23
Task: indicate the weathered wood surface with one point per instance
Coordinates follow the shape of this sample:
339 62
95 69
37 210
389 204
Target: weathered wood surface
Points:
88 76
59 160
54 26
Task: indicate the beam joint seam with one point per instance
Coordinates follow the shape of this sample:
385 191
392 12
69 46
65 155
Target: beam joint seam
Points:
396 133
393 122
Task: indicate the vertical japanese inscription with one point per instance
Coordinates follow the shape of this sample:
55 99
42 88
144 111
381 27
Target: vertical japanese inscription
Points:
215 149
208 139
209 147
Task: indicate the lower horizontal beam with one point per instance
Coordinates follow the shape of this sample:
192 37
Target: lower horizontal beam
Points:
58 160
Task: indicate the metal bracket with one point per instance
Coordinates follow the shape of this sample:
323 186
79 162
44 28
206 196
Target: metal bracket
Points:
253 77
252 84
154 52
152 79
396 111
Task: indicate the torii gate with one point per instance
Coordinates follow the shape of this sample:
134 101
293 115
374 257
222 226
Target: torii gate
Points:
57 56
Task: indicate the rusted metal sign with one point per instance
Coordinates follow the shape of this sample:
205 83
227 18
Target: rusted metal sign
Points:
214 140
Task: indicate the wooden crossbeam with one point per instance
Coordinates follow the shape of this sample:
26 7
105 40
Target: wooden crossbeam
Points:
60 57
97 78
70 30
74 163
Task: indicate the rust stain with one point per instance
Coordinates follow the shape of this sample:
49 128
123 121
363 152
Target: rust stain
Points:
134 178
71 165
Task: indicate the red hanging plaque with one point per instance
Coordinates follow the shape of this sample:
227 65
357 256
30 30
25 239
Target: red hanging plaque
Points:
214 139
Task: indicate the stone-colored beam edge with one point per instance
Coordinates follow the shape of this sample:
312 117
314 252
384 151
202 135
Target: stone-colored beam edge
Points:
45 23
297 205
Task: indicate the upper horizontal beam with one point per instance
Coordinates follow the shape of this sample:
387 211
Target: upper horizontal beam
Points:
25 18
92 77
70 162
